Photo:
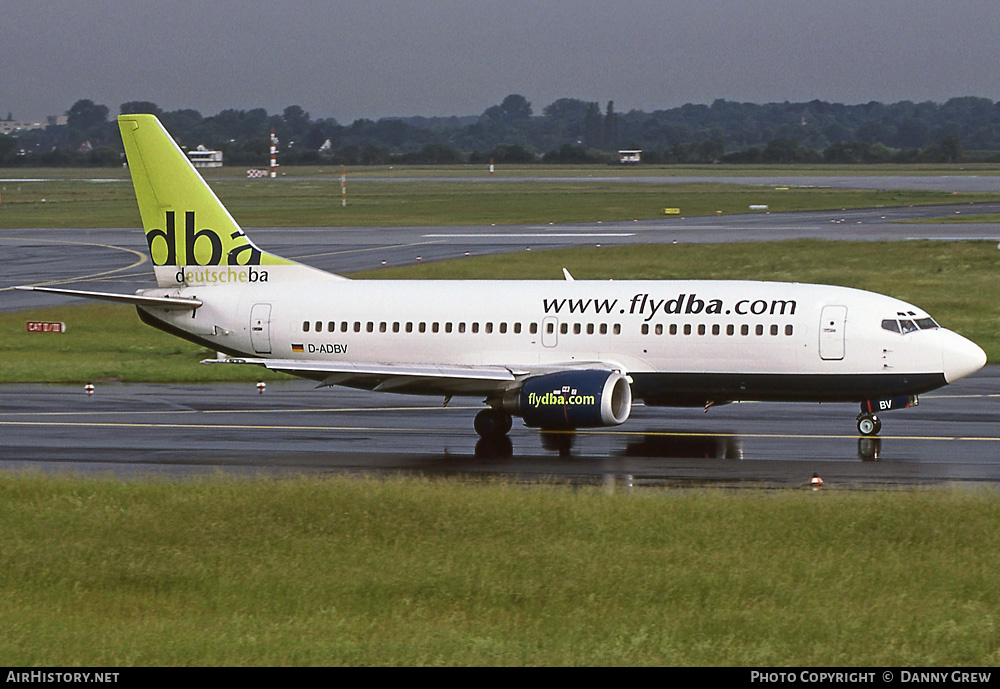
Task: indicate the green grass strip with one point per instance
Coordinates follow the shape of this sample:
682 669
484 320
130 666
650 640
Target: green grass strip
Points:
413 572
305 202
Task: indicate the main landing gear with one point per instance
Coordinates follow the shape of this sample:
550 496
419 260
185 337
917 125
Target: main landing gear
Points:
493 423
492 426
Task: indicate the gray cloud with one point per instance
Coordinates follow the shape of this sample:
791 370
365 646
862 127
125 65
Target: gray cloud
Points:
444 57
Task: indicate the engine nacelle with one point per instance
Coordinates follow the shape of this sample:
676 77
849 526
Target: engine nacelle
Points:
573 399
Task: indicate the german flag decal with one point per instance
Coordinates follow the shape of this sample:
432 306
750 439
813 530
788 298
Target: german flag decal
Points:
298 348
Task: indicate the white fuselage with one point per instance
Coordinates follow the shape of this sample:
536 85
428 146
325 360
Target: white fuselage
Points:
683 342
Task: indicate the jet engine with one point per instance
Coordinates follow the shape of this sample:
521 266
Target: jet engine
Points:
572 399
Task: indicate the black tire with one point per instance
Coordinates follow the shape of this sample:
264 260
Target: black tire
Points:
492 423
869 425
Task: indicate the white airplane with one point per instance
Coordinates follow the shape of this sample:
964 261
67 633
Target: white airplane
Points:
560 354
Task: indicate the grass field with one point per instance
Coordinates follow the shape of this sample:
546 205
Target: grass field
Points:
333 172
955 281
411 572
316 201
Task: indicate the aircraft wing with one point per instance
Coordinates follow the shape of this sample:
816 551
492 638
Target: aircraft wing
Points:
427 379
409 378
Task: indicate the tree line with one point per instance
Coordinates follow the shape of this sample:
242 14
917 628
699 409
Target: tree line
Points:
569 130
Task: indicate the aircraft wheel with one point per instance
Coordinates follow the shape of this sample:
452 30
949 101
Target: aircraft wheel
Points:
492 423
869 425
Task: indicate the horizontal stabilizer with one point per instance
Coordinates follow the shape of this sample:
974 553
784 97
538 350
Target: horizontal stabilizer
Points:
168 303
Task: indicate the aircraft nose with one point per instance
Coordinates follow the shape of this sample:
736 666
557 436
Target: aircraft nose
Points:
960 357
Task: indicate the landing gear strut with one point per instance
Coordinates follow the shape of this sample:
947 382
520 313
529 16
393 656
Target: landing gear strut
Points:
869 424
493 423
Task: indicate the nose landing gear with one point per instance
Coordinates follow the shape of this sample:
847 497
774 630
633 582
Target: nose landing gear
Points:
869 424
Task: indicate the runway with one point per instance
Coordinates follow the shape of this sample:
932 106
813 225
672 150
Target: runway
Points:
185 431
134 430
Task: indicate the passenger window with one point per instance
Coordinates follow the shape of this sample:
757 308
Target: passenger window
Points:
475 327
461 327
730 329
434 327
305 326
331 326
604 328
370 327
447 327
645 328
488 328
659 328
409 327
687 329
673 328
395 326
618 329
744 329
517 328
421 327
759 329
774 329
715 329
344 326
357 326
701 329
319 326
503 328
533 328
382 327
890 324
788 329
564 328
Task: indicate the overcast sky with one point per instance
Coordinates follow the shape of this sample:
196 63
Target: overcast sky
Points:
378 58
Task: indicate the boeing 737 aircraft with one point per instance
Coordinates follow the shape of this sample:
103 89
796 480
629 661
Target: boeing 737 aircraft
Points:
560 354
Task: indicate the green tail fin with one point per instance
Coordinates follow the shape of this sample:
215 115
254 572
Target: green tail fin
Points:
192 238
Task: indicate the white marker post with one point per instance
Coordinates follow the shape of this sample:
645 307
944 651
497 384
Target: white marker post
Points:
343 187
274 154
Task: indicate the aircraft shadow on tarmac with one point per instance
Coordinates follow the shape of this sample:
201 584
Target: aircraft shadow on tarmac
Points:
662 445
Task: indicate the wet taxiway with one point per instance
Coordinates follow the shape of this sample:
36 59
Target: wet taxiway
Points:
181 431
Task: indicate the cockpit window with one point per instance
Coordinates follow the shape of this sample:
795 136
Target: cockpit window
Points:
906 325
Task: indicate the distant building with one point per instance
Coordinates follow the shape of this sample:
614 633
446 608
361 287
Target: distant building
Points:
630 157
12 126
203 157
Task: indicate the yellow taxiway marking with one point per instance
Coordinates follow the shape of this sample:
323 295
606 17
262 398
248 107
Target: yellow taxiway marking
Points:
211 426
806 436
311 410
647 433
